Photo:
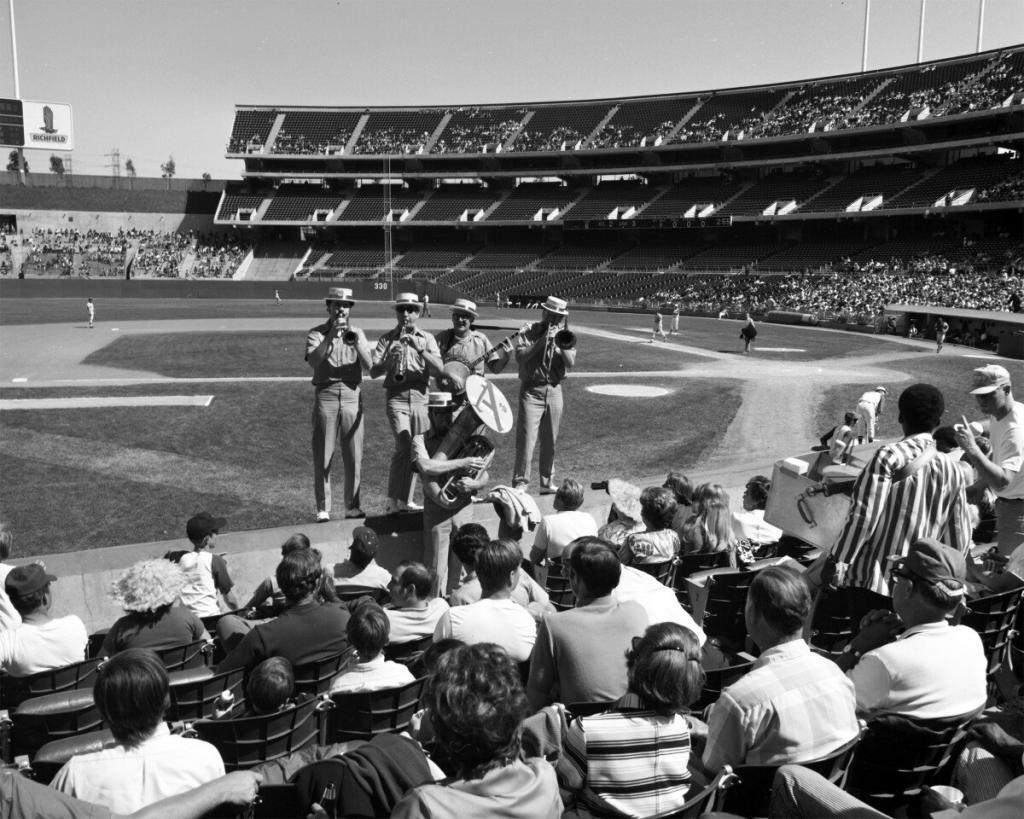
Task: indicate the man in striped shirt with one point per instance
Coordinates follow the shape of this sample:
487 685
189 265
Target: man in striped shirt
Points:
898 499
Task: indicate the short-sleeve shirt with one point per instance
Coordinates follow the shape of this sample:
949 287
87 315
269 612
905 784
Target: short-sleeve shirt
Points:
533 371
205 574
491 621
650 547
472 347
416 375
1007 437
340 365
557 531
35 647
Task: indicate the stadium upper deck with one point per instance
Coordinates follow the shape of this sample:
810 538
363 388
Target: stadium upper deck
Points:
945 103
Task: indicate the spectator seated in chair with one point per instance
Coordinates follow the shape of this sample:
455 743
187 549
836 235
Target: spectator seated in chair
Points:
412 612
709 529
307 630
793 705
269 689
470 538
206 573
476 703
912 662
149 592
268 596
659 542
682 490
496 617
41 642
149 763
367 630
748 523
558 530
361 568
9 617
632 760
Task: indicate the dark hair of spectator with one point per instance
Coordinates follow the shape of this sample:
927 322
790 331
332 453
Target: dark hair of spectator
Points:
411 573
779 594
368 629
759 486
476 702
435 651
6 540
664 668
270 686
658 505
27 603
921 407
298 574
131 694
495 563
569 495
469 539
294 543
596 564
679 485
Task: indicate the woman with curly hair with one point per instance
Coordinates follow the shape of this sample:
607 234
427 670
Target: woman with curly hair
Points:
709 529
476 703
149 592
632 760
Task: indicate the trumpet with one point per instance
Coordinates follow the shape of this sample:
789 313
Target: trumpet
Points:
350 337
565 339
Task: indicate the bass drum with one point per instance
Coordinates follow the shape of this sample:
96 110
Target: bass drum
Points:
489 404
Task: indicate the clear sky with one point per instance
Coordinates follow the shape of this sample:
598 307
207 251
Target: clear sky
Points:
155 78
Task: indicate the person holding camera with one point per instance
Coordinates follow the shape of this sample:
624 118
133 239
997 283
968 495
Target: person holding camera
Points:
338 354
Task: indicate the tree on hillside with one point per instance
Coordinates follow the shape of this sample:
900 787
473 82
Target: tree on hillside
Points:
56 165
129 167
14 162
168 168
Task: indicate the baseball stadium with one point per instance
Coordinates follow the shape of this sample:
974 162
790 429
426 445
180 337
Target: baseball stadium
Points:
756 291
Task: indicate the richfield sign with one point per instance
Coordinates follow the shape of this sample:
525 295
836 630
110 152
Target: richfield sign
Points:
48 125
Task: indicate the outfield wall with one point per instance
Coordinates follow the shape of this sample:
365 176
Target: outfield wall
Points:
111 288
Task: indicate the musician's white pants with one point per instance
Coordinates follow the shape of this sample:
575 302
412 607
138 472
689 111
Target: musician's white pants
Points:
540 414
337 419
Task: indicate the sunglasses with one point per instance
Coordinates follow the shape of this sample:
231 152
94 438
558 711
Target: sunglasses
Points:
407 308
465 316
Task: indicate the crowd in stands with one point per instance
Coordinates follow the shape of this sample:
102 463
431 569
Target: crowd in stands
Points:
1006 190
159 254
629 136
601 705
301 144
391 140
467 137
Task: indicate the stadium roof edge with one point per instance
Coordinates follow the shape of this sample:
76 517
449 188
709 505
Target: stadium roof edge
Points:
632 98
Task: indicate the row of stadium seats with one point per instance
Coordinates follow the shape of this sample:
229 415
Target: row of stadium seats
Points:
882 97
896 186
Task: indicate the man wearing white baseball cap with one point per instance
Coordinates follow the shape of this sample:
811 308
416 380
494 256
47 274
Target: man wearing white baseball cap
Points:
546 352
405 356
1003 471
338 354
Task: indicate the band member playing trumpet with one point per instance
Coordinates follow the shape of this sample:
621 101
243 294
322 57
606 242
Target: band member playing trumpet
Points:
545 353
451 459
338 354
405 356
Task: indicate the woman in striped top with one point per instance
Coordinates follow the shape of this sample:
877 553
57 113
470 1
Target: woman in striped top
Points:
632 759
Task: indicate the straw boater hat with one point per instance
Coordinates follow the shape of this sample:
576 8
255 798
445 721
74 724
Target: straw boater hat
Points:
342 294
148 585
556 305
408 298
437 399
465 306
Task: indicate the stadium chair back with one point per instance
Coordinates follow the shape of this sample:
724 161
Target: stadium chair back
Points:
721 669
751 794
194 691
190 655
662 571
838 613
556 584
40 720
247 741
92 648
586 709
700 803
993 617
315 677
409 654
687 565
897 756
349 594
14 690
364 714
723 613
51 757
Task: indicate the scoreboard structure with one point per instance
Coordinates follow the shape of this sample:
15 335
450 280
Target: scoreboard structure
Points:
28 124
